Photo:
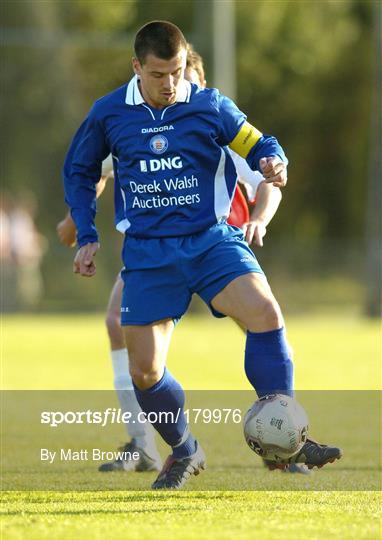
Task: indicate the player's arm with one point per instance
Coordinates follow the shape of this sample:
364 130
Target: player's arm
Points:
262 152
82 171
268 198
66 229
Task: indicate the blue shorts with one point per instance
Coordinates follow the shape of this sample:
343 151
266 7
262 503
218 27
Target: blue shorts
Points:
161 274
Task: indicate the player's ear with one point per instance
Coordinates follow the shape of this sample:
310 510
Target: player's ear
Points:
136 66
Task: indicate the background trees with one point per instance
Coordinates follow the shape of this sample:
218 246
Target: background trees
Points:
305 73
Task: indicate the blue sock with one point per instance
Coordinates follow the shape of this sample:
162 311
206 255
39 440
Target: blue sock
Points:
167 396
268 365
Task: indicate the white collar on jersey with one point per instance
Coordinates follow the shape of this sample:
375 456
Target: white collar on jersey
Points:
134 96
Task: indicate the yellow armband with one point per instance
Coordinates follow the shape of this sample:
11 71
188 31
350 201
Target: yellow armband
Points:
245 140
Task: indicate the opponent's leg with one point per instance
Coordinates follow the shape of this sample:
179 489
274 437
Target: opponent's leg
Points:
162 398
141 435
113 317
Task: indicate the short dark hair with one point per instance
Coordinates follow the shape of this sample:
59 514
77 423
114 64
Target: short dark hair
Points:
195 61
160 38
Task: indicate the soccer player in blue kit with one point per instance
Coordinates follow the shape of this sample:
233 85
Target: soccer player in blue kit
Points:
267 198
169 141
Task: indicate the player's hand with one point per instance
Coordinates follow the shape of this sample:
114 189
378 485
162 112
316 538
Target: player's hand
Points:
274 171
254 231
66 231
83 261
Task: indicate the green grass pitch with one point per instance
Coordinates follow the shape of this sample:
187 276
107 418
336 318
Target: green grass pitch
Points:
333 352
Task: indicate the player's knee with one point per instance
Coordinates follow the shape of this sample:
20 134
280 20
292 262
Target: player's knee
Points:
144 376
272 313
268 314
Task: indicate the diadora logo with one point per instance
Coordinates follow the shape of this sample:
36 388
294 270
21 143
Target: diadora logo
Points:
157 129
158 144
161 164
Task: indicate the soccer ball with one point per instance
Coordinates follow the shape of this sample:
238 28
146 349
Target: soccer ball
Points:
276 427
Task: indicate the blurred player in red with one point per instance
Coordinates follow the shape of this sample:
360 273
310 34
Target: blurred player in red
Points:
266 197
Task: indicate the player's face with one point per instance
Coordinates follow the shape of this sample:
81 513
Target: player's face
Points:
160 79
193 76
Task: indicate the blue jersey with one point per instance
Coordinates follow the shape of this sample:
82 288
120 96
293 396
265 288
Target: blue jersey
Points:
173 173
